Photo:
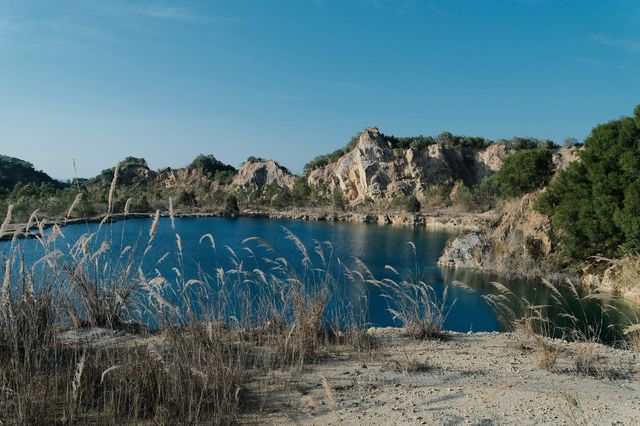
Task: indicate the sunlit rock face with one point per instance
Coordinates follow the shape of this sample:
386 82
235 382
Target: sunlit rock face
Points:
373 168
257 174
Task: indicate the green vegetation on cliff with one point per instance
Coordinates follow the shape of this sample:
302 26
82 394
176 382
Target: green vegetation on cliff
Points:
522 172
422 142
213 168
595 203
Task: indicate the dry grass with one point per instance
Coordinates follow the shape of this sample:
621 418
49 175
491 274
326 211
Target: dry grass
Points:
633 335
548 353
209 333
415 304
571 320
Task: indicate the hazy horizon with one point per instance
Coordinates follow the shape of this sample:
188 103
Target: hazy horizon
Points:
165 80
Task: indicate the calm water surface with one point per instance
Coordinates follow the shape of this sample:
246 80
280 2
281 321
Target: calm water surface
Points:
376 246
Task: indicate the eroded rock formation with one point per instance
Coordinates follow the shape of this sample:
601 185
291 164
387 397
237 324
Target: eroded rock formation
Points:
373 168
259 173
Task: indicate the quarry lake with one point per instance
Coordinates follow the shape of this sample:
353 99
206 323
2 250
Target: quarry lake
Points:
354 253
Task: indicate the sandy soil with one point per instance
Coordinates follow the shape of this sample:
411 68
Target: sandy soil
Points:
480 379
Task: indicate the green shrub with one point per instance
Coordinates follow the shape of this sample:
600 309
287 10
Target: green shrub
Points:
521 173
231 206
594 204
282 199
187 198
437 196
213 168
301 191
408 203
339 200
520 143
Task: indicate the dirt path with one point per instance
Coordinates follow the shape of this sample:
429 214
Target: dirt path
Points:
470 379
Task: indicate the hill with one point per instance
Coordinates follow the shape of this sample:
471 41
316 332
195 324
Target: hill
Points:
14 171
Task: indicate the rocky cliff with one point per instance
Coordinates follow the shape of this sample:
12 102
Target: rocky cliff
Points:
518 245
374 168
258 173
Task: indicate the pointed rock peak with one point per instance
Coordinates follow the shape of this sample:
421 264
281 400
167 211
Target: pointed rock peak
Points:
371 136
258 172
371 132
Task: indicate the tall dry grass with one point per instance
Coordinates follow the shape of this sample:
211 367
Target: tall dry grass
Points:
415 304
89 335
574 315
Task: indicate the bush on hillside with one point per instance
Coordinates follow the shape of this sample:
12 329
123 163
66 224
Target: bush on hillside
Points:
408 203
522 172
594 203
213 168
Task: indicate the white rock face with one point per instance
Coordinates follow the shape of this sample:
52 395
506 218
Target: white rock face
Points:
260 173
514 246
565 156
465 251
375 169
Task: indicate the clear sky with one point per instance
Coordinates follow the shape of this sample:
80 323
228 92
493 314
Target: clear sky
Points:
97 80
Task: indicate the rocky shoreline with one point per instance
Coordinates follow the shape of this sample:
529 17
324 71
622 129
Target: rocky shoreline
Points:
435 220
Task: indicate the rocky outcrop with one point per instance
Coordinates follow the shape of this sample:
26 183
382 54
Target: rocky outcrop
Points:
373 168
184 177
518 245
256 174
618 277
565 156
467 251
130 173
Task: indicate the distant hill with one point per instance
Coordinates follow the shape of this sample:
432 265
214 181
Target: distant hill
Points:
14 171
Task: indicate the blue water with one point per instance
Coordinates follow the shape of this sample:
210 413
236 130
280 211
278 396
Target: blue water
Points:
374 245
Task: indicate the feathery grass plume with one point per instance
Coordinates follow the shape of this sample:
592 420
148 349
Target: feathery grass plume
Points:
172 214
77 379
154 226
33 218
6 286
56 232
103 248
306 261
107 371
112 189
7 221
127 206
75 203
211 240
179 244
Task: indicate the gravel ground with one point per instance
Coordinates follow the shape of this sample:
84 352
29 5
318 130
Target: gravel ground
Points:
479 378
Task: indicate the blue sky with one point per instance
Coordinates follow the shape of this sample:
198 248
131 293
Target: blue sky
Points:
98 80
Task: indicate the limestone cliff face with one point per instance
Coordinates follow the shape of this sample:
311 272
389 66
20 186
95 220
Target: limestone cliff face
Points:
257 174
516 245
565 156
375 169
184 177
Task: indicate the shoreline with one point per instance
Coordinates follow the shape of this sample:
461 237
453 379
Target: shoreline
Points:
438 220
